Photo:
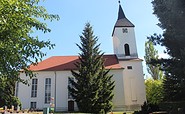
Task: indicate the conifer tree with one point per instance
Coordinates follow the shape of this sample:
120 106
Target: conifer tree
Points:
171 14
106 92
92 88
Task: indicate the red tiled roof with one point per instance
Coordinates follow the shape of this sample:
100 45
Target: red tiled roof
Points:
60 63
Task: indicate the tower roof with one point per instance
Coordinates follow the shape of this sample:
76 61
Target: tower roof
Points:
122 21
121 14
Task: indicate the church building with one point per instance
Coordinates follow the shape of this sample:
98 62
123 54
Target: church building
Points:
50 86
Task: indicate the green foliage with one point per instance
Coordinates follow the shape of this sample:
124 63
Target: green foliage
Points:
18 47
7 88
171 14
174 87
14 102
152 54
92 88
104 102
147 108
154 91
171 106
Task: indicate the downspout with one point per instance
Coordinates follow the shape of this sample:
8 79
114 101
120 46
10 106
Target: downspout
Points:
16 89
55 92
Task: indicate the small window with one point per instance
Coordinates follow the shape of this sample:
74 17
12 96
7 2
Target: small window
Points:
33 105
129 67
125 30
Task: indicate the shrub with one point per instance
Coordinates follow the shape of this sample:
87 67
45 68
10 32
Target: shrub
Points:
154 91
147 108
14 102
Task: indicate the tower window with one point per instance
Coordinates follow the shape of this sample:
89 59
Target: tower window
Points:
127 50
125 30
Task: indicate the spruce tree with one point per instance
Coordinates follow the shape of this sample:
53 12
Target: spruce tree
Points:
93 87
106 92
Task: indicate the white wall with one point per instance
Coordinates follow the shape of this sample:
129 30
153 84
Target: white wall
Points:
120 39
24 92
62 90
134 87
122 95
119 99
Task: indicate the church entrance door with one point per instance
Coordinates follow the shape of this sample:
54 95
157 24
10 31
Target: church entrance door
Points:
70 105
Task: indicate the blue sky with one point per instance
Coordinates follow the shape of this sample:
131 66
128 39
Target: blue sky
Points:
102 14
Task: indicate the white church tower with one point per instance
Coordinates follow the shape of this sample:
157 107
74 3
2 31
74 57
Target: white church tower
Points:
124 44
124 37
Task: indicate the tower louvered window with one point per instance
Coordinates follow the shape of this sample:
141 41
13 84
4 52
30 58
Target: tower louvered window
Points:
127 50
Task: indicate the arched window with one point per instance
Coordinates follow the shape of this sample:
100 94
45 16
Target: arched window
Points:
127 50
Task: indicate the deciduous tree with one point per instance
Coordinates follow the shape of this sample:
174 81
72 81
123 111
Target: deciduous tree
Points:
154 91
7 92
18 46
152 54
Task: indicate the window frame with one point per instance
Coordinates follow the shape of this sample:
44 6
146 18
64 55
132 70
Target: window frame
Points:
33 105
129 67
47 95
34 88
127 50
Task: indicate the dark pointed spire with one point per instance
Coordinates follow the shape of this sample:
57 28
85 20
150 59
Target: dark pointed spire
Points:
121 14
122 21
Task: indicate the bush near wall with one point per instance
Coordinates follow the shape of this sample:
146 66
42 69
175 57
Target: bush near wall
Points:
154 91
173 106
